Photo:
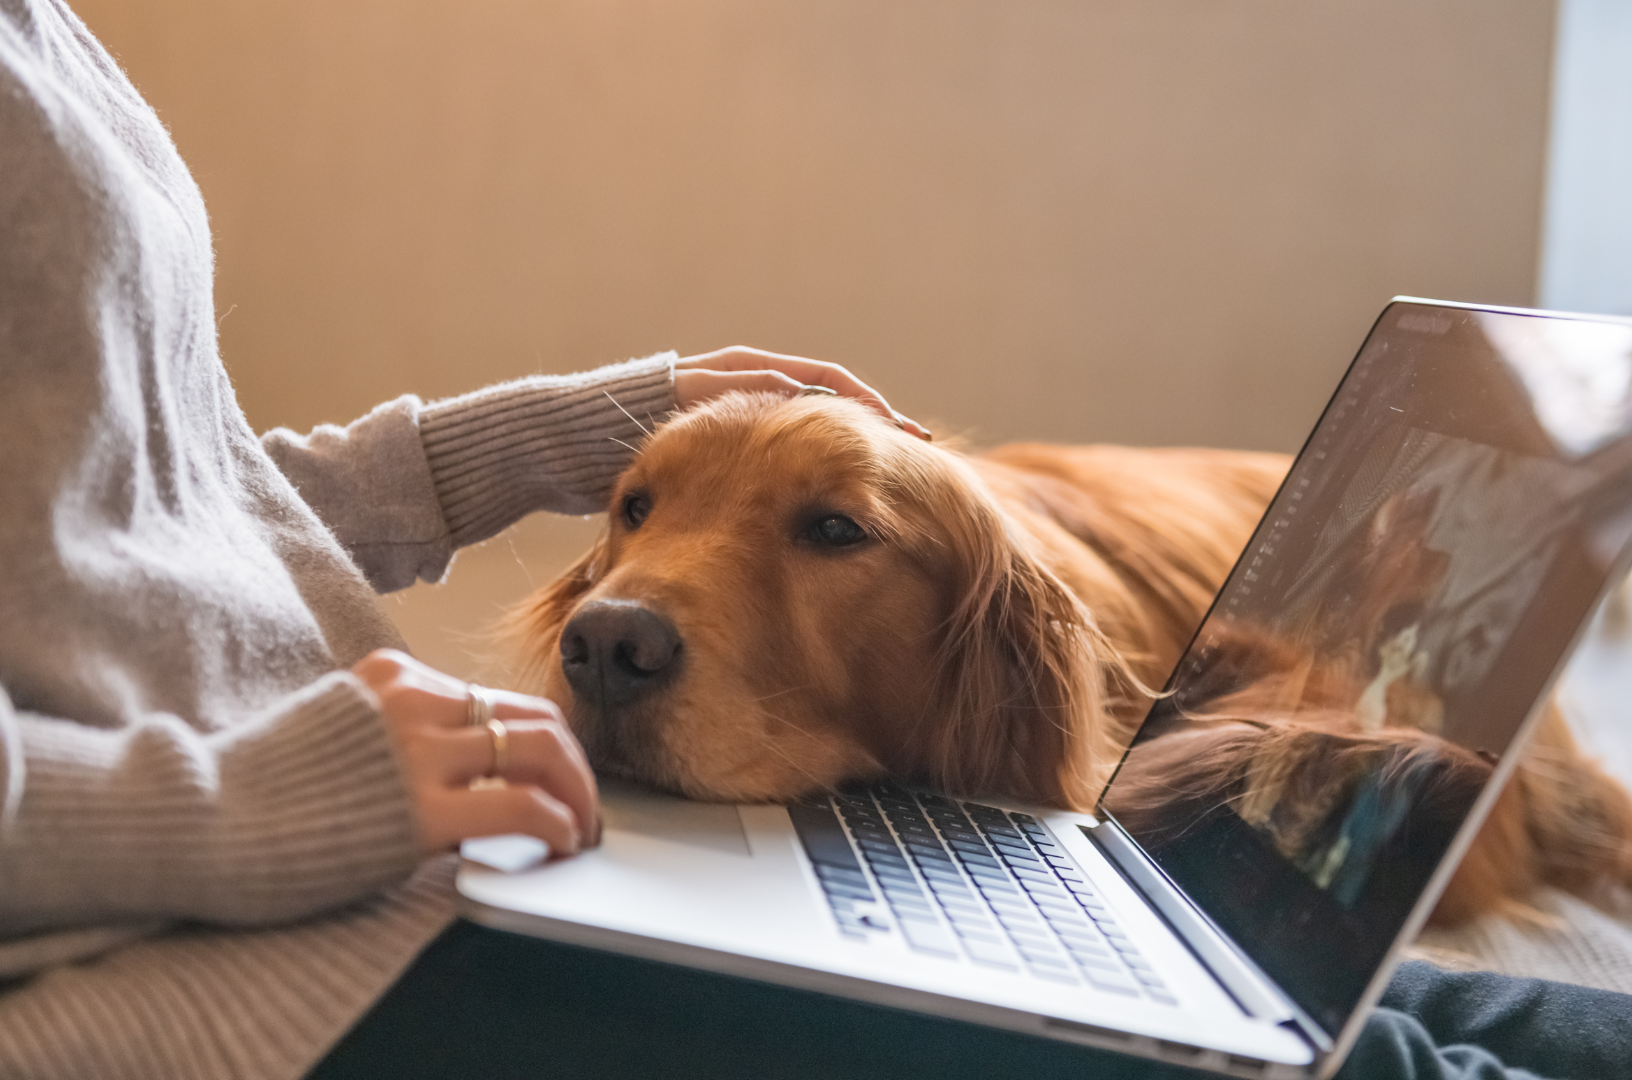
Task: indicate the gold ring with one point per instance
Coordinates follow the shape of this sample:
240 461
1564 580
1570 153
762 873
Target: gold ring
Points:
478 705
501 747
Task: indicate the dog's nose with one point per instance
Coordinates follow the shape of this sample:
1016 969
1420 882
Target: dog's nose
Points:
614 651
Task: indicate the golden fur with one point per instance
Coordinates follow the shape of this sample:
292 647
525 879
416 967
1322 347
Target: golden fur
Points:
997 631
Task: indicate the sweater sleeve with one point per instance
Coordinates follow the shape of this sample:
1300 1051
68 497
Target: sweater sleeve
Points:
292 812
407 485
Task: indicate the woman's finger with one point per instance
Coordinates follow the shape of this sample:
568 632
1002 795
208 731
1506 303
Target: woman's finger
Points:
455 815
545 754
809 372
540 753
699 385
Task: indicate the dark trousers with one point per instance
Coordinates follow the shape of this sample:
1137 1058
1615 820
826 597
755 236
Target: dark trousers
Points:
483 1003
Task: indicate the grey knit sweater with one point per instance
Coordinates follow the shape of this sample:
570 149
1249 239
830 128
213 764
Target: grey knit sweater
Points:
206 859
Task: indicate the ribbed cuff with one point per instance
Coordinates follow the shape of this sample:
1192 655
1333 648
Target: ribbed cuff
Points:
290 813
543 443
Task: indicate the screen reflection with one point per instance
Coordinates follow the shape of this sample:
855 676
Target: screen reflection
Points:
1405 602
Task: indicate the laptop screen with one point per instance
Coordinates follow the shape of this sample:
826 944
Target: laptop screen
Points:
1448 527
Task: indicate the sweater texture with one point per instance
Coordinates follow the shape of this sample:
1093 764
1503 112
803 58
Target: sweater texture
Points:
207 866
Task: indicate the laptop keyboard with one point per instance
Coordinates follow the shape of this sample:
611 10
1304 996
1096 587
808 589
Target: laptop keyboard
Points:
959 879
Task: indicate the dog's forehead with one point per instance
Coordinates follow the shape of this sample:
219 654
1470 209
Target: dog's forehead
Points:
759 444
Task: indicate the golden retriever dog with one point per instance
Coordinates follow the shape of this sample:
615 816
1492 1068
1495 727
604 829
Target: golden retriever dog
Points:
793 594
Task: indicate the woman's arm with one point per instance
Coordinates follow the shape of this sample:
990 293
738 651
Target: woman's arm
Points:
407 485
290 812
329 795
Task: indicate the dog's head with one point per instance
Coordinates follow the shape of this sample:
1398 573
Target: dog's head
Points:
792 593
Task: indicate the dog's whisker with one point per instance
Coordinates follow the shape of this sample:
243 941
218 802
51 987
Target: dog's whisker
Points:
784 693
644 429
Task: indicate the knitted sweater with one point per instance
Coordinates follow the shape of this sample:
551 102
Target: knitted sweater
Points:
207 865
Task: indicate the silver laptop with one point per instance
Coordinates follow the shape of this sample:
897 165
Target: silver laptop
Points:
1446 533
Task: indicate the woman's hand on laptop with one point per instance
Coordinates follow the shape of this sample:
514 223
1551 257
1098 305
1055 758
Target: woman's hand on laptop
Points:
708 375
549 790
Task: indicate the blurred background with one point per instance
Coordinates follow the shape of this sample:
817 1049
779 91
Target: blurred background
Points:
1142 221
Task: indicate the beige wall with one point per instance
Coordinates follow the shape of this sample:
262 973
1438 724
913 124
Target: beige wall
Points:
1135 220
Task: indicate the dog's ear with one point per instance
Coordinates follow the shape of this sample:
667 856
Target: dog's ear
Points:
529 632
1029 684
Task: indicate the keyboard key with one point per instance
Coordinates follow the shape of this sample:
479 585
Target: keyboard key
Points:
1097 963
925 857
1111 930
983 861
911 914
1137 962
983 873
992 955
839 888
949 892
965 915
1013 860
927 937
822 835
970 934
1078 932
1059 975
840 873
1149 978
887 873
862 922
1115 982
935 872
883 847
1018 918
1028 939
1161 996
1042 877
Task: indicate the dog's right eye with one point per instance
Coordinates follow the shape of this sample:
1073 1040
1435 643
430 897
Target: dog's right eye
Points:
836 530
635 509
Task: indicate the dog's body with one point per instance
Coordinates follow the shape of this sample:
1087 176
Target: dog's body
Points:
792 594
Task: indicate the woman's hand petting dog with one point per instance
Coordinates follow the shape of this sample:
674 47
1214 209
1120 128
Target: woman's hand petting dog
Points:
549 791
708 375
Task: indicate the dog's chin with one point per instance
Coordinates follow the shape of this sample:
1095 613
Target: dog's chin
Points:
752 778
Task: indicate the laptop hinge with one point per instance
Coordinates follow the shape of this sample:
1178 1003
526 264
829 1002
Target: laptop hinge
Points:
1254 991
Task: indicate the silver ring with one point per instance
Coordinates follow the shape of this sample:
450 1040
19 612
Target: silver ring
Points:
478 705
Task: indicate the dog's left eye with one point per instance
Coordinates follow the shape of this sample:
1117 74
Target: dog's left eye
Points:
836 530
635 509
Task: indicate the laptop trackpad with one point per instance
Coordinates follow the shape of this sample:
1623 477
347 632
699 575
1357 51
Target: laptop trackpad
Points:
715 826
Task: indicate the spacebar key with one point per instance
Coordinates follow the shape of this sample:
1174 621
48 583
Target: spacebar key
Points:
926 937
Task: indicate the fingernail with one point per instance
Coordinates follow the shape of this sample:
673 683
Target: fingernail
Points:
811 390
912 427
